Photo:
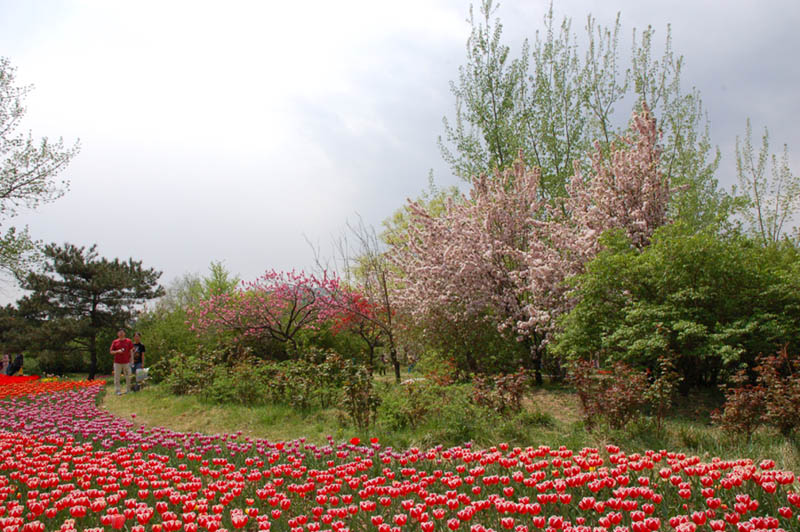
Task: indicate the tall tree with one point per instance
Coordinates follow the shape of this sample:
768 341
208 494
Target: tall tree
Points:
771 198
78 294
554 102
366 297
28 172
503 253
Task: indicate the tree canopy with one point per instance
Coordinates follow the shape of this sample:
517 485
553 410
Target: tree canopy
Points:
706 301
503 253
554 100
28 172
78 293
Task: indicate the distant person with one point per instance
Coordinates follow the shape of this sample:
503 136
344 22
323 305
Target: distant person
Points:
15 366
121 349
138 357
4 363
412 362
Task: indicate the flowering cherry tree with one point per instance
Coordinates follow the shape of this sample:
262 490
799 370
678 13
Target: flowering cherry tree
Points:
627 191
502 253
277 305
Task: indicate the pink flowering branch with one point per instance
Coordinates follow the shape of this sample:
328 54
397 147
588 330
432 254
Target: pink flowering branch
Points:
277 305
503 254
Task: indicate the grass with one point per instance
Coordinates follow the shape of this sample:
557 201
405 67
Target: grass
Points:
550 416
155 406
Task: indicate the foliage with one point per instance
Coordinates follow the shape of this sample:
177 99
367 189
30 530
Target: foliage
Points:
500 393
452 349
661 392
624 395
780 376
28 172
187 374
502 254
221 387
771 201
437 368
415 403
163 326
555 100
744 406
58 363
359 399
618 395
317 379
79 294
707 300
772 400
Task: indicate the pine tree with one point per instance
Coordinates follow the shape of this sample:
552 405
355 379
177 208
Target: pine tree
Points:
78 294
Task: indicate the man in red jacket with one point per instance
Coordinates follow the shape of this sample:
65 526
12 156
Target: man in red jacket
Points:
121 349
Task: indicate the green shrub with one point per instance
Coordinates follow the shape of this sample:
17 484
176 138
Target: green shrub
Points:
359 399
250 382
54 363
187 374
709 300
411 404
221 386
617 396
457 420
500 393
437 368
316 379
534 418
30 366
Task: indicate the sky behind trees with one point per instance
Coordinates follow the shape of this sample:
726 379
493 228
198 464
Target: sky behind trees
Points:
231 131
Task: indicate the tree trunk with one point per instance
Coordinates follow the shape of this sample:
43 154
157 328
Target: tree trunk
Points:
92 356
395 362
536 360
371 365
537 366
471 364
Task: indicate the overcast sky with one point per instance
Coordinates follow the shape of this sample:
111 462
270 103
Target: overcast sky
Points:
229 130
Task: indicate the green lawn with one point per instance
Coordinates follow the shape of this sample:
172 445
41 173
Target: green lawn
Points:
550 416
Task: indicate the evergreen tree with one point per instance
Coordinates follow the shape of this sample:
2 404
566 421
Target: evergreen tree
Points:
78 294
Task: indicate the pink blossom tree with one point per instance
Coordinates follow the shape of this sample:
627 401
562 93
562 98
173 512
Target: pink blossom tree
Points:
503 253
277 305
627 190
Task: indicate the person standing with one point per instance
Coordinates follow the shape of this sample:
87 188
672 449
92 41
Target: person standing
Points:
121 349
15 366
138 357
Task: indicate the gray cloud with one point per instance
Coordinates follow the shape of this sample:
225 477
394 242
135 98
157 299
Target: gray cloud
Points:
231 134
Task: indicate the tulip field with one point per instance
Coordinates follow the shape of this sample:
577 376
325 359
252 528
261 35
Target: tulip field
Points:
66 465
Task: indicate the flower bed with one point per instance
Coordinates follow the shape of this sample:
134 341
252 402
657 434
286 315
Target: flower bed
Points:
66 465
32 385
